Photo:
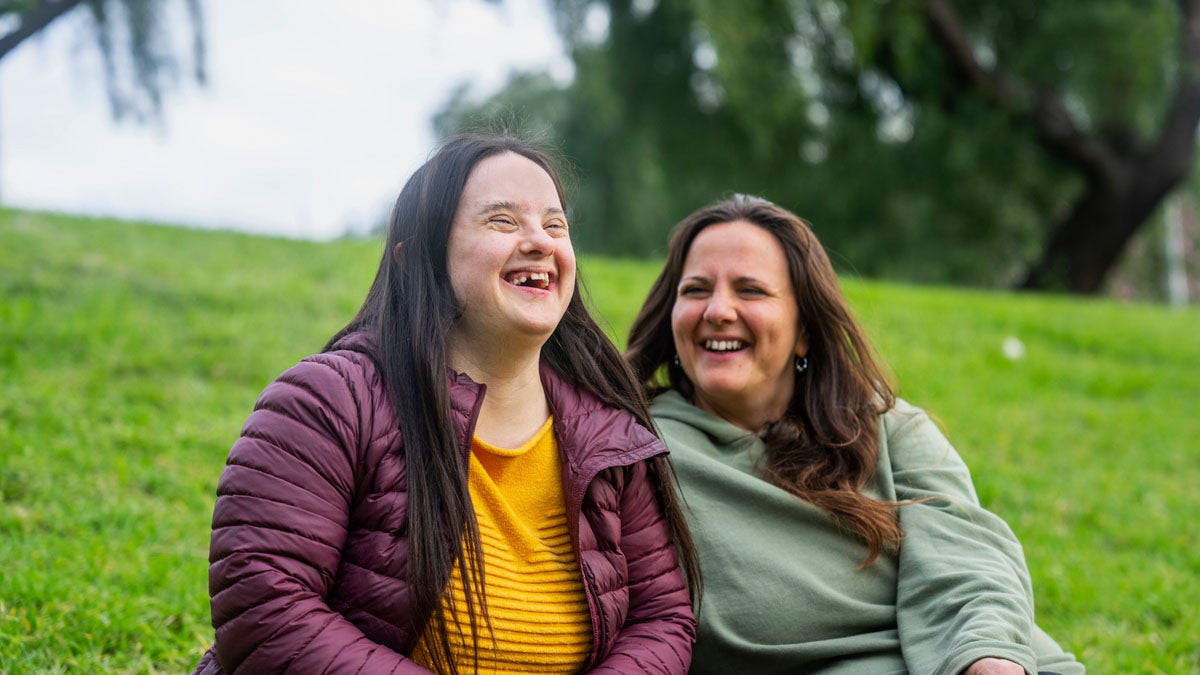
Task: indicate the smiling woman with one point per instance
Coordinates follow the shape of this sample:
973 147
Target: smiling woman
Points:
735 324
512 266
465 478
839 530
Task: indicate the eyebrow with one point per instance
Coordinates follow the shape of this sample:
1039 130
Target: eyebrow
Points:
738 280
506 205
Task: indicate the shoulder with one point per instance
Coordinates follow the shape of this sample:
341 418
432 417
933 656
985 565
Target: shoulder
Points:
337 394
920 456
903 415
334 380
598 431
905 426
912 440
355 358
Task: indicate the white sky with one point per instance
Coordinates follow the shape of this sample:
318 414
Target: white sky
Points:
312 119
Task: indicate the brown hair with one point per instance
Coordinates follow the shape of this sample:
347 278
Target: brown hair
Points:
823 449
410 309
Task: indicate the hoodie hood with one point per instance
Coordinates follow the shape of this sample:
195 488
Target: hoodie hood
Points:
670 406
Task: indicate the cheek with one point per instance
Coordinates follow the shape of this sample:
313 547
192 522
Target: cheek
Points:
468 271
564 248
566 264
684 318
460 287
774 323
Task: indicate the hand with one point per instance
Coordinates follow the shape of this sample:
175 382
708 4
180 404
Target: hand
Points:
990 666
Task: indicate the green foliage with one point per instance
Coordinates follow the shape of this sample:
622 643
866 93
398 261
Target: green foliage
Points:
131 354
134 40
845 112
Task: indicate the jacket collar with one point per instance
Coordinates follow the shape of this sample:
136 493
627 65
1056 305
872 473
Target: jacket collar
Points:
592 434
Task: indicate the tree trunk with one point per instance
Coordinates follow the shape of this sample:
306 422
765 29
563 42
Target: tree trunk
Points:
1121 196
1125 181
1088 243
1175 278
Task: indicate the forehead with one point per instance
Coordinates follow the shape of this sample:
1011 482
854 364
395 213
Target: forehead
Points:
738 248
510 178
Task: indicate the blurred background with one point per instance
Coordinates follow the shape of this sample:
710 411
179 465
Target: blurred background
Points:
267 116
1011 144
190 192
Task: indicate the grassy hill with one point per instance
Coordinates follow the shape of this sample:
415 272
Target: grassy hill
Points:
130 355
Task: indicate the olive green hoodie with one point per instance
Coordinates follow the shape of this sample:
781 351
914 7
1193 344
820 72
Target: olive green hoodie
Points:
783 591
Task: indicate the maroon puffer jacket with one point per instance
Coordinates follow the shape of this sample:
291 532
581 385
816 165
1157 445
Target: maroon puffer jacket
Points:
309 544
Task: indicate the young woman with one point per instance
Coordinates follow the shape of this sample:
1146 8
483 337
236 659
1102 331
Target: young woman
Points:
839 531
463 480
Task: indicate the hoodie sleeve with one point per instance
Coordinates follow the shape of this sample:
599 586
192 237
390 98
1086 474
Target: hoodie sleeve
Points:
280 521
964 591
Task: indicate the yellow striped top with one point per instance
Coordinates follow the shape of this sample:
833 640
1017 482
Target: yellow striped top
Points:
539 613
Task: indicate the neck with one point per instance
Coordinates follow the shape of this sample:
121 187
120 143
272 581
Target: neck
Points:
752 418
515 406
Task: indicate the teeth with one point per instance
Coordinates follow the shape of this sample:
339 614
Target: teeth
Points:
723 345
536 279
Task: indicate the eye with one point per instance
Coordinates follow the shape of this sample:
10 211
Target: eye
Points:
502 221
556 226
693 291
752 291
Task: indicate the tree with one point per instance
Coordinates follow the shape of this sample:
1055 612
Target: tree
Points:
1000 142
132 37
1127 177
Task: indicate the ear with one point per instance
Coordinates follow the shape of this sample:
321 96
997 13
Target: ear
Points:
801 343
398 254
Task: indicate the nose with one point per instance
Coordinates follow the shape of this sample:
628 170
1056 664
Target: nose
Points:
720 310
536 241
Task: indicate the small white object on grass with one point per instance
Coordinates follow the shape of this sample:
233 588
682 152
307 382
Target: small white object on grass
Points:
1013 348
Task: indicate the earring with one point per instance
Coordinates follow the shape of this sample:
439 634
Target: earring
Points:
801 364
676 361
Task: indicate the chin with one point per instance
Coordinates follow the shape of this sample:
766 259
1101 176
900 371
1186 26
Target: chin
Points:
538 329
718 391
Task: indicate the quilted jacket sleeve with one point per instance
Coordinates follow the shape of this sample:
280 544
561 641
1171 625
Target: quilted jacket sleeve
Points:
280 521
964 592
660 628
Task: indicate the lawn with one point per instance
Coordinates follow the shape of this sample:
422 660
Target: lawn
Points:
130 354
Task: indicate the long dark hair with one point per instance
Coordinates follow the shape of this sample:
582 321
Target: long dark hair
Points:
410 308
823 449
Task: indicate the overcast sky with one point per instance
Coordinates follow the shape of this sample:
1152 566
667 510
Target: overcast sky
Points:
311 121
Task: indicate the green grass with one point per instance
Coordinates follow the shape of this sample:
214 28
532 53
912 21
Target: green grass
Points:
130 355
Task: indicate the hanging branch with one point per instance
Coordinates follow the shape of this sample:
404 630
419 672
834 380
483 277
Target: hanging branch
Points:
1056 126
42 16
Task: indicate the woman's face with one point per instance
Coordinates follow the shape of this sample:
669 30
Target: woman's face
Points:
511 264
736 324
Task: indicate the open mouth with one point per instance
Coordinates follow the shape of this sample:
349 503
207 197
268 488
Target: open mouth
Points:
721 346
529 279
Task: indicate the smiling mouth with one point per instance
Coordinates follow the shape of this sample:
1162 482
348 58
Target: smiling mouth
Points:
721 346
529 279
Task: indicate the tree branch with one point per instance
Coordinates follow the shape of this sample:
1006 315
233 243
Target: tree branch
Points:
1055 125
1177 138
950 34
34 21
